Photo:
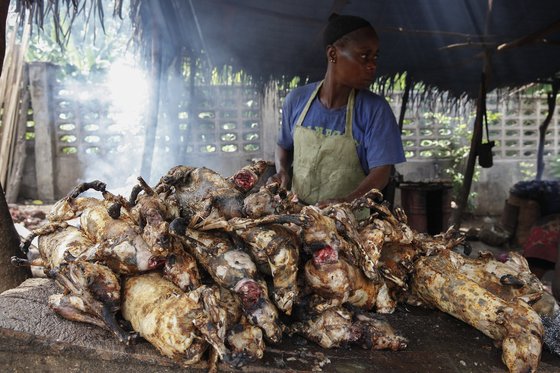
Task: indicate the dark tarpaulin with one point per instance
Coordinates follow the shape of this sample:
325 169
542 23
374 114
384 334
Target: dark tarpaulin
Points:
438 42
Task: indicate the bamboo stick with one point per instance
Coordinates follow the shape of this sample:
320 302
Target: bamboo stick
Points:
15 172
11 89
8 67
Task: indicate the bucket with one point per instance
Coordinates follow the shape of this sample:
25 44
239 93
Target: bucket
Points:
529 212
427 206
414 205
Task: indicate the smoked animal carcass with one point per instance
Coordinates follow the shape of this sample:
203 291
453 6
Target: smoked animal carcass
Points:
271 199
175 322
228 231
339 282
275 249
91 295
248 176
244 339
337 326
118 238
233 269
509 279
203 194
439 282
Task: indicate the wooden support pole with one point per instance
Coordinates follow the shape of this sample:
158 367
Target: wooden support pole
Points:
476 139
41 77
15 173
153 106
551 100
389 191
404 102
173 83
270 120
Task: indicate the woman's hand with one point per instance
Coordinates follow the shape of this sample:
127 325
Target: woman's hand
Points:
283 163
331 201
282 178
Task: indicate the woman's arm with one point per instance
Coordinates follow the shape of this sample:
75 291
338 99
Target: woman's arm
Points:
283 162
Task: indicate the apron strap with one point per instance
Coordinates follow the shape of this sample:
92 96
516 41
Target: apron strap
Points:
308 104
350 113
349 109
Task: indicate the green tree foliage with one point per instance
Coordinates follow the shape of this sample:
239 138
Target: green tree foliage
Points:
90 47
455 147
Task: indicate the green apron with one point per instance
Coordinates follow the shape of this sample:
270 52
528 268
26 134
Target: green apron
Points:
325 167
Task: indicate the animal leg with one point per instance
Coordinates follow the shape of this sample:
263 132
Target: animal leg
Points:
80 188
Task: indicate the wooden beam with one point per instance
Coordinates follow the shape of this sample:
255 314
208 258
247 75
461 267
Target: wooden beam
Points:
270 120
551 100
462 199
389 191
4 6
15 172
531 38
404 102
40 81
153 104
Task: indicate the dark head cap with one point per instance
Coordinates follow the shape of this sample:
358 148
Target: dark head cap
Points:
340 25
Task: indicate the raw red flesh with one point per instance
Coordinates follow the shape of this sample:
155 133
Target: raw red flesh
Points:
244 180
325 255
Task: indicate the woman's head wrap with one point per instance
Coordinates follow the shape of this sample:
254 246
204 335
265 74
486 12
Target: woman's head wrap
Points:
340 25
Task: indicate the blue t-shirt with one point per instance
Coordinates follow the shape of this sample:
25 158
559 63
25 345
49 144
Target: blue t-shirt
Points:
374 127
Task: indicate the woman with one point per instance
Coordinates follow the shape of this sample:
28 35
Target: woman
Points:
340 138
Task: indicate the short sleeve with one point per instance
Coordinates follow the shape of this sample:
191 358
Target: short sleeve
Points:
382 141
286 133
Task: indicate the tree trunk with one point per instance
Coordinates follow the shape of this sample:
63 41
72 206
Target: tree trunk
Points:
10 276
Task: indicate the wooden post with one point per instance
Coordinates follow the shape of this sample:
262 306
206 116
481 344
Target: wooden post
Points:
389 191
404 102
551 100
270 120
40 80
172 85
476 139
153 105
15 173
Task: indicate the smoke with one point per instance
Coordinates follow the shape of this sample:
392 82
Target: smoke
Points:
118 155
552 332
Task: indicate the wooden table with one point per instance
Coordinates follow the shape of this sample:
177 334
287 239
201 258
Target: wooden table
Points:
34 339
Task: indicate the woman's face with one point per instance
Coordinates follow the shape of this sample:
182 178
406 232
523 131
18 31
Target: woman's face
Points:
356 58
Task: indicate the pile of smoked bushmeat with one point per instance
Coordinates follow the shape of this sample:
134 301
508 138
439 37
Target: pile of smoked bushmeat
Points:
205 265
